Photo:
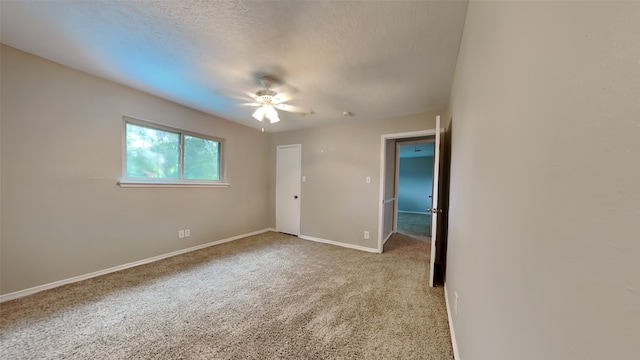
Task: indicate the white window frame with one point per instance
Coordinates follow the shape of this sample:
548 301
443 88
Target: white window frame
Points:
126 181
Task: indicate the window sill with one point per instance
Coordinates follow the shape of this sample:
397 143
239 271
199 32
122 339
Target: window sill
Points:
135 183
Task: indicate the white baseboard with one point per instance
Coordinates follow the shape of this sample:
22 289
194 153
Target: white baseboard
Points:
337 243
35 289
454 343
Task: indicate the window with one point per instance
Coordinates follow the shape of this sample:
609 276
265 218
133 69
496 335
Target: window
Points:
161 155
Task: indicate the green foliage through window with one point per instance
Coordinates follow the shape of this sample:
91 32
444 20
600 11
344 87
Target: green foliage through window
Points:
200 158
157 153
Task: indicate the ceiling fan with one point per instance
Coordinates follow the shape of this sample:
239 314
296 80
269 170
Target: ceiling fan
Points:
268 100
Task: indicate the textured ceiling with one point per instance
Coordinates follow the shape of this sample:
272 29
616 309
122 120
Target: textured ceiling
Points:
376 60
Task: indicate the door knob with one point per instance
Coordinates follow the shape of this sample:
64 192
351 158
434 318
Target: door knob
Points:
295 196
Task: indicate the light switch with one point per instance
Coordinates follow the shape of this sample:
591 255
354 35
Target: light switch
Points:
368 180
304 178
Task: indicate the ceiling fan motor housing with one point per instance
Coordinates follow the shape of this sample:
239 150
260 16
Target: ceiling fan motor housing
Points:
268 81
266 95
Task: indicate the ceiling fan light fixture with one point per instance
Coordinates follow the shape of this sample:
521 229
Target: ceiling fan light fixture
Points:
259 114
266 111
269 102
271 114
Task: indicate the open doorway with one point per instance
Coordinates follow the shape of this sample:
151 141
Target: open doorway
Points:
387 211
387 224
414 187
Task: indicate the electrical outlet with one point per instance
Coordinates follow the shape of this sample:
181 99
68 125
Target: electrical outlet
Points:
366 234
180 234
187 233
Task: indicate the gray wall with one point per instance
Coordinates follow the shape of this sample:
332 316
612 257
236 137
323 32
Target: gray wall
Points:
544 232
62 213
415 184
336 203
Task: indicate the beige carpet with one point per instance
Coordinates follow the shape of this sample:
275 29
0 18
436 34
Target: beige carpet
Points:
269 296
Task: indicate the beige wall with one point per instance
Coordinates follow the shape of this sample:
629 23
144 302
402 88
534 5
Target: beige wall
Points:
336 203
544 233
63 214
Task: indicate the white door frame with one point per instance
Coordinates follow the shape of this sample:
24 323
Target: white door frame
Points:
383 150
435 204
299 147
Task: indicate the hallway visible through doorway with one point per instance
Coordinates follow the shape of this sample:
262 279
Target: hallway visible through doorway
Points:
415 188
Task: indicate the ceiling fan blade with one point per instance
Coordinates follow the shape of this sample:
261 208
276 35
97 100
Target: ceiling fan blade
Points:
292 108
285 88
251 95
250 104
283 97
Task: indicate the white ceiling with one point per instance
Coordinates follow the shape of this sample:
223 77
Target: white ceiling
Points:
375 59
